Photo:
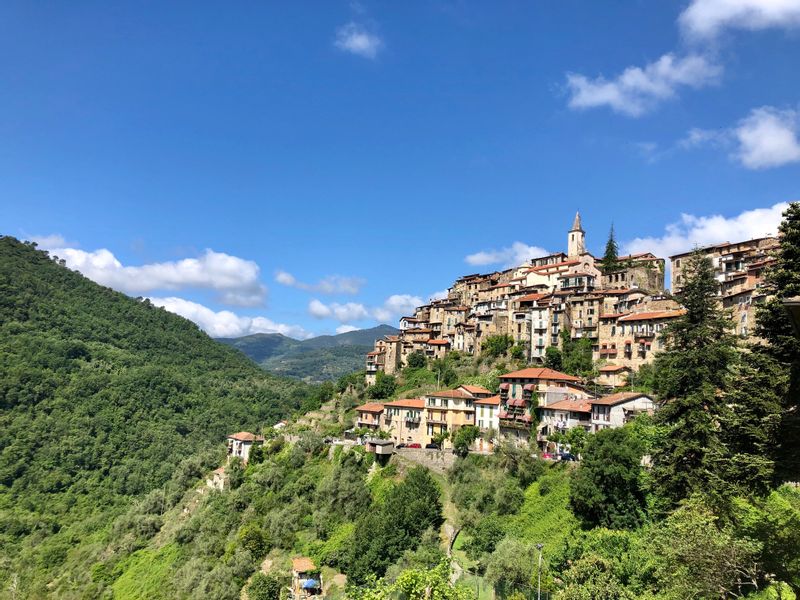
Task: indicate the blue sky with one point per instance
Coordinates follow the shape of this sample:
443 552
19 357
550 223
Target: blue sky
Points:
308 167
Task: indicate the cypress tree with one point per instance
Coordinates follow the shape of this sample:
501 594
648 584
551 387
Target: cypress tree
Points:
692 376
610 260
782 344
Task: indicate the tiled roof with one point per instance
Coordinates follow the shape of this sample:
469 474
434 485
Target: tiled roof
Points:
619 398
303 565
370 407
246 436
450 394
376 352
493 401
612 368
438 343
531 297
571 405
408 403
540 373
475 389
457 308
558 265
650 316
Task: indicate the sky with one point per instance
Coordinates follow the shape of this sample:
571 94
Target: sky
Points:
316 167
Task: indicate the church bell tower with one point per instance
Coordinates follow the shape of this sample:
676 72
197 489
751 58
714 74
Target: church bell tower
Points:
576 242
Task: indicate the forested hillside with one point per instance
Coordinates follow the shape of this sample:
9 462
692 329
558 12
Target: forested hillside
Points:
323 358
101 397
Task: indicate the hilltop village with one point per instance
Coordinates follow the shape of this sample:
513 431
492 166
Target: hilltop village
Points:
622 308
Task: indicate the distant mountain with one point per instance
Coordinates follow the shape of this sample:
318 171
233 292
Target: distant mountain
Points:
321 358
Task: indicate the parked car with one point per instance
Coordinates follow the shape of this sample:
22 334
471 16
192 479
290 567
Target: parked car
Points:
414 446
549 455
431 446
398 446
567 456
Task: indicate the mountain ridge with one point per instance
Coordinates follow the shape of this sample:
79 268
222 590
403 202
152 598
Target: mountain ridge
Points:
316 359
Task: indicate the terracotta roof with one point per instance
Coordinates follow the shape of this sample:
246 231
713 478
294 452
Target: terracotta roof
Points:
614 315
408 403
612 368
619 398
417 330
540 373
376 352
650 316
392 338
438 342
370 407
245 436
493 401
475 389
302 564
499 285
531 297
450 394
571 405
460 308
565 263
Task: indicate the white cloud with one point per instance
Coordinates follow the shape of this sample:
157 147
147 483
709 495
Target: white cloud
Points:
392 308
693 231
440 295
768 138
512 256
332 284
48 242
356 39
638 90
346 328
225 323
235 280
708 18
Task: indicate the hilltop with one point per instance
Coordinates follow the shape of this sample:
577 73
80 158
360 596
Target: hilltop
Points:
102 397
322 358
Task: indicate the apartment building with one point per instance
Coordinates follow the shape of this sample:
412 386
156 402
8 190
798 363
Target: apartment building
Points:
404 421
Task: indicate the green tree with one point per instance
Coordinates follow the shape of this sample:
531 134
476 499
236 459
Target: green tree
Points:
783 344
518 351
433 584
416 360
496 345
382 534
509 568
576 437
693 372
264 587
385 385
605 490
484 536
576 355
553 358
592 578
464 438
610 261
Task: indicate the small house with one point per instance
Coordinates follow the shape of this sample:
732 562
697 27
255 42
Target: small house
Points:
239 444
306 579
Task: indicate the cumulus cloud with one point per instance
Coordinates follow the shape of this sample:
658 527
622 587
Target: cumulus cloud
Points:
332 284
511 256
225 323
346 328
766 138
235 280
638 90
392 308
356 39
704 19
693 231
440 295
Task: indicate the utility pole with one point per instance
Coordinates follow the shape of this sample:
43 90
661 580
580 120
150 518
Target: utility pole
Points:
539 576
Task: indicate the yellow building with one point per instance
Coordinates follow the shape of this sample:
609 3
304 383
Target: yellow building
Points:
448 410
404 421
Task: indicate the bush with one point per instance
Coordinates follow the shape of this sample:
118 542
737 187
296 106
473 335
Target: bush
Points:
416 360
264 587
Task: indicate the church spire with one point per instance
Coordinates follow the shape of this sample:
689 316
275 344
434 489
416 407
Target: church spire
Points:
576 224
576 240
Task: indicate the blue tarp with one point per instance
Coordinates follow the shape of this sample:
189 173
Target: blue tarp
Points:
310 584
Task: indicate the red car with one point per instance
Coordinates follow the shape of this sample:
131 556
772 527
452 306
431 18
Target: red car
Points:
414 446
549 455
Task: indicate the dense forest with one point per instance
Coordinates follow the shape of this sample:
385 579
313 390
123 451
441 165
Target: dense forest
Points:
101 399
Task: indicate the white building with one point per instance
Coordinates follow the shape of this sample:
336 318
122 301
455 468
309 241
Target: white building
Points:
617 409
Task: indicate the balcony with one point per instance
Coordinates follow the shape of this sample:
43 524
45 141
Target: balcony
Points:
436 420
370 424
413 418
372 368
